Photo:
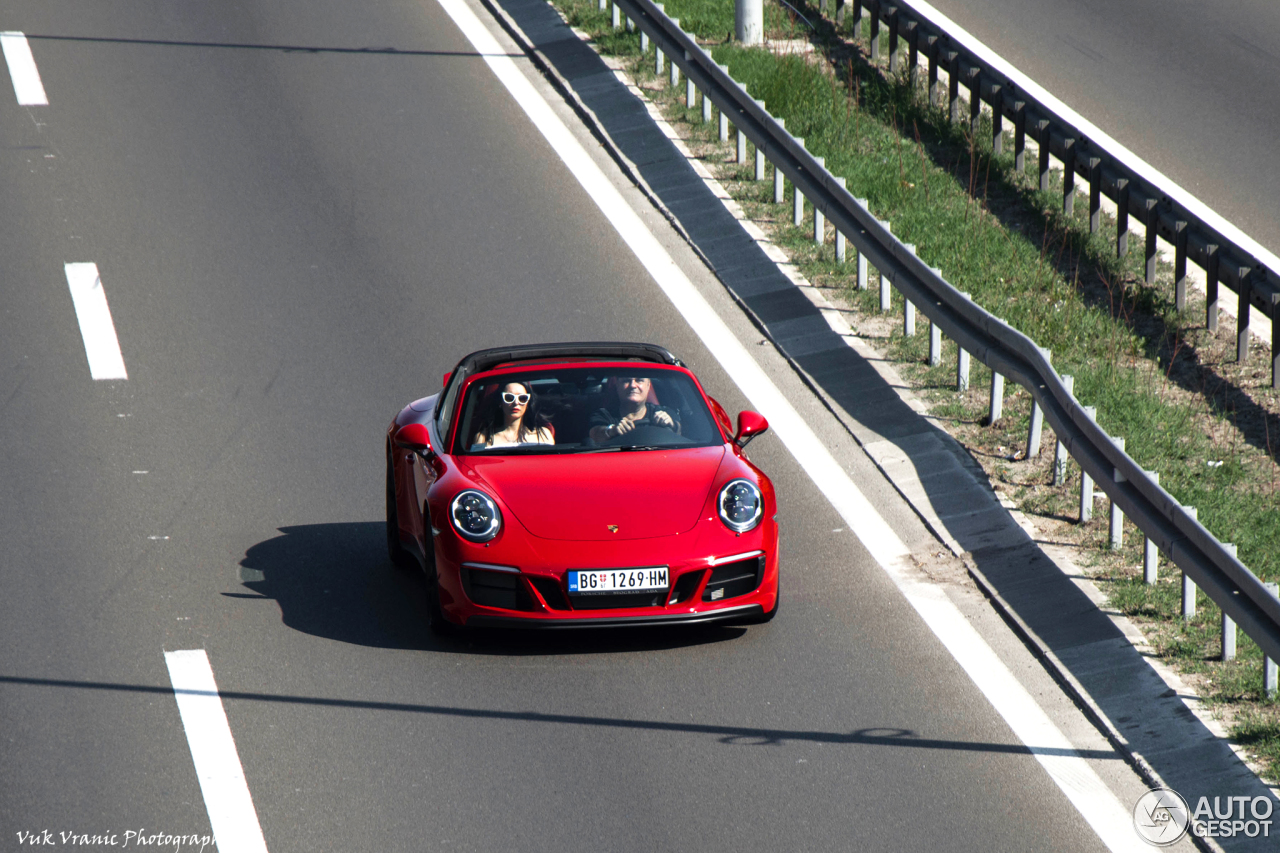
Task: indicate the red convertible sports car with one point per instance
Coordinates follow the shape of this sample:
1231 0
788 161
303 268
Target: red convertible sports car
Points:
580 485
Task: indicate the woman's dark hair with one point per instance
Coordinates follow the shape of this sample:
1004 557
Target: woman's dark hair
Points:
491 420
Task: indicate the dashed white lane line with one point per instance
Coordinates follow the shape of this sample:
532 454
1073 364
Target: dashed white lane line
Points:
1069 771
226 794
101 345
22 70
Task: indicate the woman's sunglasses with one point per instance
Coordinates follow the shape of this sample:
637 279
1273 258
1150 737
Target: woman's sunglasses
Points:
509 398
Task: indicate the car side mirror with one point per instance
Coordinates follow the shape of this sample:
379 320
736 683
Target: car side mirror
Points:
750 424
414 437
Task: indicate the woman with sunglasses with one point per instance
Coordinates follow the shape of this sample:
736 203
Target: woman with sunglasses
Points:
513 419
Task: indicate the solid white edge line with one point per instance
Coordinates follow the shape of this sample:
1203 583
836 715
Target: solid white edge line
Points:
22 70
1072 774
226 793
1089 129
101 346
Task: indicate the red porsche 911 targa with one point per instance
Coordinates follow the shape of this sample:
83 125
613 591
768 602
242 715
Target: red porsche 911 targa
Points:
580 485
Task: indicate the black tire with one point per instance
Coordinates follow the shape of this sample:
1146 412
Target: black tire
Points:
400 558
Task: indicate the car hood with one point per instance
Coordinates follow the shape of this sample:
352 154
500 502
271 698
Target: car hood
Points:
643 494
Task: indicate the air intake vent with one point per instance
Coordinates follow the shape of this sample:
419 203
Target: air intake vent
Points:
496 589
549 589
733 579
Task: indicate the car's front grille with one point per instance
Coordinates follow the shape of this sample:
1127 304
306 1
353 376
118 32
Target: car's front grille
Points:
733 579
496 589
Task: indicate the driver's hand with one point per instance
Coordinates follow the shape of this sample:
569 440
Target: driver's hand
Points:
663 419
623 427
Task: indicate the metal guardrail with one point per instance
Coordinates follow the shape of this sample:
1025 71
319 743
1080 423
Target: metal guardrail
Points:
1173 528
1197 234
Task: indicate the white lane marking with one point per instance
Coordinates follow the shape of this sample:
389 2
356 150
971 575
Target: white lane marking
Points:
22 70
100 342
1072 774
226 794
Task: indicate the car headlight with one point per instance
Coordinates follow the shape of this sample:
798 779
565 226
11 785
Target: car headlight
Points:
475 516
740 505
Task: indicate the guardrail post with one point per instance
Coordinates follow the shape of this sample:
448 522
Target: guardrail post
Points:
997 120
1229 632
932 53
996 409
1042 139
1060 449
1117 514
819 221
779 194
908 308
1275 341
862 256
724 127
840 7
975 100
1180 266
1086 482
616 19
761 171
1122 217
953 86
874 8
1095 194
1068 176
841 242
706 110
962 369
602 5
742 146
1188 585
913 58
690 94
1152 219
1211 288
935 344
1033 434
1242 316
658 61
885 295
1019 136
1150 554
1268 665
894 53
798 211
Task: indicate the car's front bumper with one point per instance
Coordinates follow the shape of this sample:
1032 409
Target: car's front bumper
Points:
648 620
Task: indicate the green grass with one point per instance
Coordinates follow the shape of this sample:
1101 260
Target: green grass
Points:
996 236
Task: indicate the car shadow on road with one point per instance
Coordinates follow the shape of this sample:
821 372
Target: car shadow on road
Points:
335 581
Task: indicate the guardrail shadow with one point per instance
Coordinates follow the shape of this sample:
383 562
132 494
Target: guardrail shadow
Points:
939 478
335 581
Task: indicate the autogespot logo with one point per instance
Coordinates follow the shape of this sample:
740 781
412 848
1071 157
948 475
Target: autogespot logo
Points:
1162 817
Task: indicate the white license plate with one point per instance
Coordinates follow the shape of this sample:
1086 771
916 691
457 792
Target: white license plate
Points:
602 581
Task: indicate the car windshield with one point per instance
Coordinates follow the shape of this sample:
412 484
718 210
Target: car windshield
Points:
584 410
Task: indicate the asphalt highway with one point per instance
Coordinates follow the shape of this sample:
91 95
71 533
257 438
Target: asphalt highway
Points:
1189 88
302 215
